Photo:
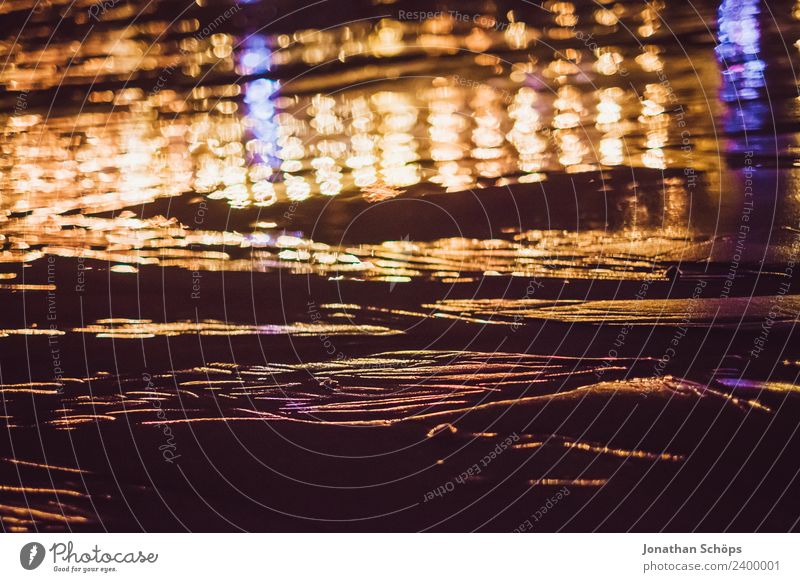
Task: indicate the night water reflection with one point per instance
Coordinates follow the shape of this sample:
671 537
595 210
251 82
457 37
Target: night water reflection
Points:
190 109
359 232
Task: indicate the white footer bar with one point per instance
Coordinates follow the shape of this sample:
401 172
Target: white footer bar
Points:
400 557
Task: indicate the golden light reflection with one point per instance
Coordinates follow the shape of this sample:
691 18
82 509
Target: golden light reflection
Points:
569 482
146 329
650 18
602 450
267 143
47 467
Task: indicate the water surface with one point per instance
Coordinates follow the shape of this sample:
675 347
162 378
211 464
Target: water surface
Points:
275 268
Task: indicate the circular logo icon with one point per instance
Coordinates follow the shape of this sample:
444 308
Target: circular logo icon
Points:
31 555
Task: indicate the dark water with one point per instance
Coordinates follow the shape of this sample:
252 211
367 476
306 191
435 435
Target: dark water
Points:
330 268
